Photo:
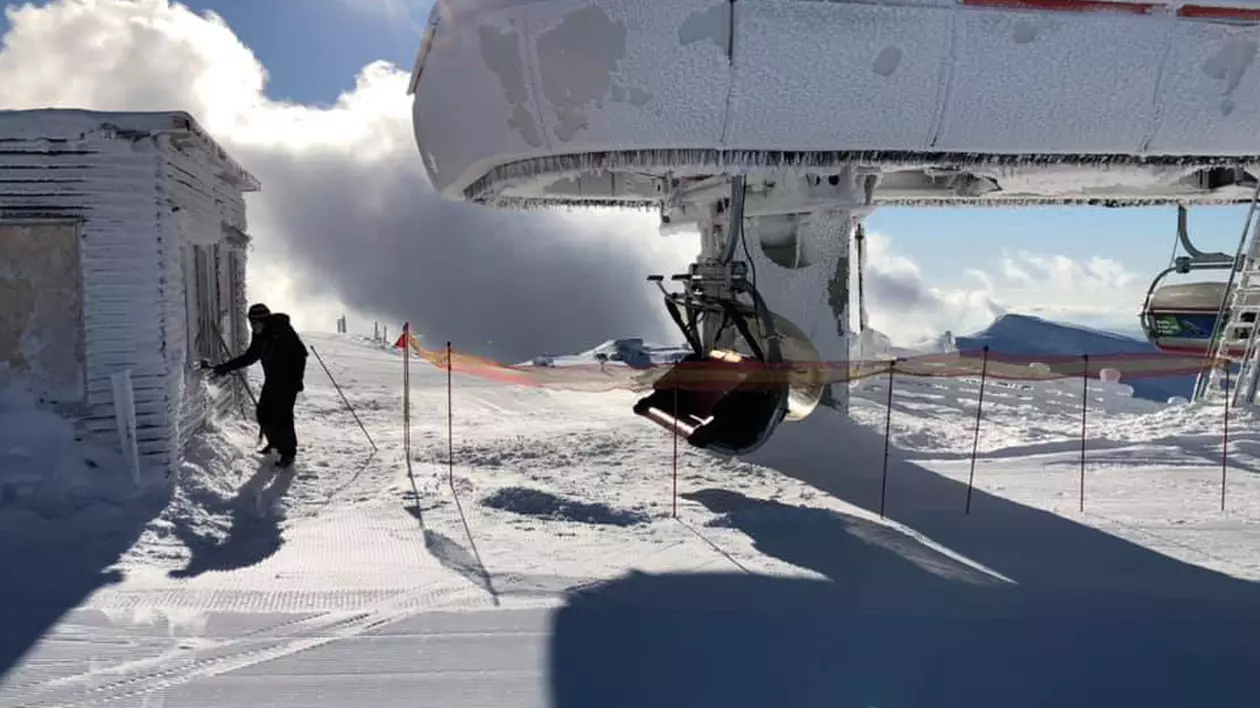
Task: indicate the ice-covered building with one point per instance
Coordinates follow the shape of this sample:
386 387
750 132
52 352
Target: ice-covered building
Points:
122 263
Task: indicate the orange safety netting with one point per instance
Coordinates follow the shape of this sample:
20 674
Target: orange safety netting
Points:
706 374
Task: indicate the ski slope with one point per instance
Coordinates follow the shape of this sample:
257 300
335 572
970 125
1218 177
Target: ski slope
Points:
779 583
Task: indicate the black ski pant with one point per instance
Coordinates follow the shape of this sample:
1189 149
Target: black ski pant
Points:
275 417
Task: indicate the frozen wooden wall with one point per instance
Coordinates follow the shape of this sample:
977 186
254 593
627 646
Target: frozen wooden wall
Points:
207 219
147 191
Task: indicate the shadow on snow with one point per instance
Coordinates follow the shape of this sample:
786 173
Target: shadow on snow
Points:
255 534
1090 619
49 565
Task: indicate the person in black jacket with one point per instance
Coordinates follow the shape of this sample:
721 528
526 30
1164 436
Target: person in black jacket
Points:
283 357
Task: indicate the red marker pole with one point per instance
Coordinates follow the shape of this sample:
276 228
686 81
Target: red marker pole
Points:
1225 441
883 490
675 452
975 441
406 345
1084 408
450 419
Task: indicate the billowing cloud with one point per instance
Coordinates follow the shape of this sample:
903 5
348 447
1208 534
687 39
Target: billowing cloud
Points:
347 218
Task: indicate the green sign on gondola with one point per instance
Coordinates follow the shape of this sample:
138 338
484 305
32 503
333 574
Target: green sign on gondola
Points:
1187 326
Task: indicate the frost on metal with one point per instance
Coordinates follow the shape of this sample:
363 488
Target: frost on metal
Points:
122 248
516 95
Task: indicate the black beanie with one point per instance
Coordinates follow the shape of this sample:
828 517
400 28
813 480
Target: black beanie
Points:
258 311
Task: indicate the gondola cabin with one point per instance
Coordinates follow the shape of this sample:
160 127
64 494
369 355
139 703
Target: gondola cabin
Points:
1180 319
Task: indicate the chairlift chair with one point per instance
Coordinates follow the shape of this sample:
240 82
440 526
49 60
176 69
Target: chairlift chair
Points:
1180 318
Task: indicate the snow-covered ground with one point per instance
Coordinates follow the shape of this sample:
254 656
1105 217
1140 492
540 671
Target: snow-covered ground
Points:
778 583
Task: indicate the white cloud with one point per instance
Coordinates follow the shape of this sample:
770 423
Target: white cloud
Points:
1098 292
347 219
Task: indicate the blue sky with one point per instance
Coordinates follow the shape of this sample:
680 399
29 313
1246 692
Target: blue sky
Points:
944 242
313 49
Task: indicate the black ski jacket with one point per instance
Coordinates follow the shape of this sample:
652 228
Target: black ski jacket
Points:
281 351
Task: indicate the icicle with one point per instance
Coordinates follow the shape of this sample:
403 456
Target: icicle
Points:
698 161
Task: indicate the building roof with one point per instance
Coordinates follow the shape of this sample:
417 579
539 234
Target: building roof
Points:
74 123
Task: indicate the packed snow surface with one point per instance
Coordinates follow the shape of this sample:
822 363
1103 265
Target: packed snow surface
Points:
341 583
